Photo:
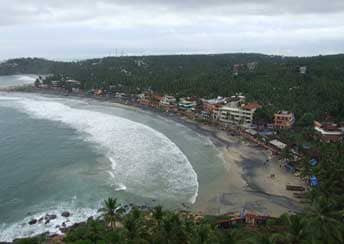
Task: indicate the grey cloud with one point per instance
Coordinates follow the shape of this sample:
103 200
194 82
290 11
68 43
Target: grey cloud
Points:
52 28
18 11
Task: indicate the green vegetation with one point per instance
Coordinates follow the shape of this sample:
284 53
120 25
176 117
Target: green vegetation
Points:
275 82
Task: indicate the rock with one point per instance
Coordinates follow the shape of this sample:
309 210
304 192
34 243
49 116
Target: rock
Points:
32 221
40 220
65 214
49 217
47 222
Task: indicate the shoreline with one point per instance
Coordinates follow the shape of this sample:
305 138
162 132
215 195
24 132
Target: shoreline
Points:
245 180
248 168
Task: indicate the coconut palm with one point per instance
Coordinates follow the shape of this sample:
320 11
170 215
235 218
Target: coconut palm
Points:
158 214
295 230
322 222
110 211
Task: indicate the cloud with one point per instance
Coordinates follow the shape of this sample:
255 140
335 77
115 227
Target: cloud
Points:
136 12
86 27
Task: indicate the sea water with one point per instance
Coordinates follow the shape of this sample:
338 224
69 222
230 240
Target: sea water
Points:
63 154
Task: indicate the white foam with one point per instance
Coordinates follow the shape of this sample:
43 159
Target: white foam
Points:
22 229
26 78
121 187
144 160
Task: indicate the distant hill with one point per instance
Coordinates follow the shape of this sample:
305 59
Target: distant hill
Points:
275 81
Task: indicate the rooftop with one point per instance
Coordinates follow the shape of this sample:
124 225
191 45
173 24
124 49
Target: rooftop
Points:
251 106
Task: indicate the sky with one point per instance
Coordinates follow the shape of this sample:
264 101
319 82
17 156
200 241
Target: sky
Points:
77 29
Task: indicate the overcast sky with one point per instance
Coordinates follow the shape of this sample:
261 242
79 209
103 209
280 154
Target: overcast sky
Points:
63 29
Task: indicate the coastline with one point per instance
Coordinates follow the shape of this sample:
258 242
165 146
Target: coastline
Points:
246 182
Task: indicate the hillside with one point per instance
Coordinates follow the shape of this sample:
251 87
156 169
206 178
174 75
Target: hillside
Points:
274 81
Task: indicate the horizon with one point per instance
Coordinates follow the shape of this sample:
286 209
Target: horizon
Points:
80 29
76 59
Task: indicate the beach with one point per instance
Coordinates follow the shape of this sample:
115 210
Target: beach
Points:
247 182
252 178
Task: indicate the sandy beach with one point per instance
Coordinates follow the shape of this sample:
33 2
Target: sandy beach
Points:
246 181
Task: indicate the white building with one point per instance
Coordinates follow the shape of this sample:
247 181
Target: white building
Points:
168 100
280 145
239 114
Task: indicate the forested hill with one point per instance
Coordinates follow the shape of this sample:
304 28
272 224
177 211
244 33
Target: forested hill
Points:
274 81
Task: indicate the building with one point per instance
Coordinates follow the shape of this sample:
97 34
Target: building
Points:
278 144
251 66
328 132
238 113
211 107
186 104
303 70
168 103
168 100
284 120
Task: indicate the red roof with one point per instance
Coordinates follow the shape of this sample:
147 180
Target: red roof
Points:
251 106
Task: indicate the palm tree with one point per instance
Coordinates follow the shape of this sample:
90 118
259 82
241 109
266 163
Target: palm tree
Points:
322 222
158 214
110 211
135 226
295 230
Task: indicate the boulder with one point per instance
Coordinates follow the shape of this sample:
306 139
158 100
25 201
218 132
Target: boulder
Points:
65 214
32 221
50 217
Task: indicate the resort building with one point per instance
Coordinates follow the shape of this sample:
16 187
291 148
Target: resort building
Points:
187 104
329 132
238 113
284 120
168 100
144 99
168 103
211 108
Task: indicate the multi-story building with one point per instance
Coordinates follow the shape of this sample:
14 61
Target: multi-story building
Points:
329 132
168 103
284 120
235 112
211 107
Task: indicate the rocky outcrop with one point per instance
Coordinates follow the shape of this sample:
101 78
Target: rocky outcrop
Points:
49 217
32 221
65 214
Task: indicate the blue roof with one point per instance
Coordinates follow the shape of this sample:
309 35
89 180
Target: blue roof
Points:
313 162
314 181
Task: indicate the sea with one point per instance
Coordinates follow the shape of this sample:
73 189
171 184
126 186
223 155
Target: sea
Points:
66 154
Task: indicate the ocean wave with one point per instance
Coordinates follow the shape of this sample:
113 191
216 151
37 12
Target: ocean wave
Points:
144 160
26 78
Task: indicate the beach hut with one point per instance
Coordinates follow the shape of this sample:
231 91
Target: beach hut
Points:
314 181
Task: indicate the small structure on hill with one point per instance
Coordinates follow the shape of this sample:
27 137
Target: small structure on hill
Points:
328 132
